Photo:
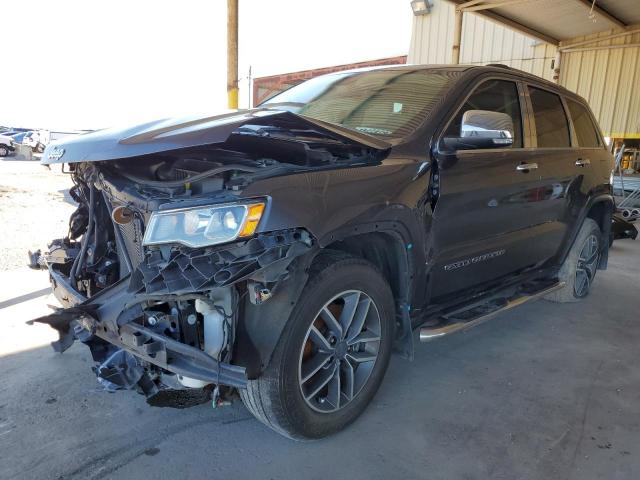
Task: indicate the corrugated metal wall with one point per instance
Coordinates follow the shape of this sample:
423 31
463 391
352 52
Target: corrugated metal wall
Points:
432 35
483 41
608 79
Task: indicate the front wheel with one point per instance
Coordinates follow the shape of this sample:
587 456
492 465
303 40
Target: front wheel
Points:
580 267
4 151
333 353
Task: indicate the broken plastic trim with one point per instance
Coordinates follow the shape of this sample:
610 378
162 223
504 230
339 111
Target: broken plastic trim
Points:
110 313
170 354
264 258
157 349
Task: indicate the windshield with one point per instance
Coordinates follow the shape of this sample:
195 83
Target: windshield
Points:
387 103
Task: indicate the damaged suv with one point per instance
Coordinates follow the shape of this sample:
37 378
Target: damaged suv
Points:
284 252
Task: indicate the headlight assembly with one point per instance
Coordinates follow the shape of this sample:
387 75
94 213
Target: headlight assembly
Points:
203 226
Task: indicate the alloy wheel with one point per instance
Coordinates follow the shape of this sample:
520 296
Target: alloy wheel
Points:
339 351
587 265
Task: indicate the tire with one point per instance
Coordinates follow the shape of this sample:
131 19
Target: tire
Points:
276 398
580 265
4 151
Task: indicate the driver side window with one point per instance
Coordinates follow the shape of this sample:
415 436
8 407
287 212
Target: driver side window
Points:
495 96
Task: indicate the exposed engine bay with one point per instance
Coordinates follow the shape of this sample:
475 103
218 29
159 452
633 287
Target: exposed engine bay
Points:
164 253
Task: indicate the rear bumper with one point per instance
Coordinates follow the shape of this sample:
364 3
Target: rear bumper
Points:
110 316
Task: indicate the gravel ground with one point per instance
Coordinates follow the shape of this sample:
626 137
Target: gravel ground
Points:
34 209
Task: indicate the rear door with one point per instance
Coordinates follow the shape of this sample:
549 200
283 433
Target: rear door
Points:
591 163
559 160
489 214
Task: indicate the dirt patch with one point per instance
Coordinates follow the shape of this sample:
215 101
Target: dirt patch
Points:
34 209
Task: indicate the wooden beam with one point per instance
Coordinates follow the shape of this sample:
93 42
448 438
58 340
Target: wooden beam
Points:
602 12
457 37
232 54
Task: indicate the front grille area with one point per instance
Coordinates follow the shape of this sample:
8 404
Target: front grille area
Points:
128 236
132 233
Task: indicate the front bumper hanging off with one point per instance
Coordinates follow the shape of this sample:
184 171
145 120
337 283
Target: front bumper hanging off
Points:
111 315
108 316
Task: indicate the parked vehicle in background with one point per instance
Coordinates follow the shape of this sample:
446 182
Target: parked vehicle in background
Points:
5 130
39 139
18 137
36 140
7 145
285 251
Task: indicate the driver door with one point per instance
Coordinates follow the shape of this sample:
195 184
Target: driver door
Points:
488 220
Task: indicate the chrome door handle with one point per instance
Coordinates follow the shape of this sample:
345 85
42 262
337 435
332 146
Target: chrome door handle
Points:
583 163
525 167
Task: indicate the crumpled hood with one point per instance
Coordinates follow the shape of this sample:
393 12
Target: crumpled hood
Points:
172 134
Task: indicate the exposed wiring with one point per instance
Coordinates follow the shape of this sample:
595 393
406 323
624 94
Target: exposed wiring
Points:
228 331
77 263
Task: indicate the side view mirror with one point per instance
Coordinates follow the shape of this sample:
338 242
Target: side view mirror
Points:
482 129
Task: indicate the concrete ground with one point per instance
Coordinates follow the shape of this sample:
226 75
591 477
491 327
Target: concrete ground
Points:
545 391
34 208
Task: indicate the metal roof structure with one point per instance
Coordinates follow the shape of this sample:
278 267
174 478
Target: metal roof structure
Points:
556 20
590 47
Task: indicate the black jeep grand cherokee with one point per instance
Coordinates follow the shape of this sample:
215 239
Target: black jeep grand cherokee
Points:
284 252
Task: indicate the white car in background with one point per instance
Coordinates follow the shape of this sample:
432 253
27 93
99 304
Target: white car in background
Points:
39 139
36 140
7 145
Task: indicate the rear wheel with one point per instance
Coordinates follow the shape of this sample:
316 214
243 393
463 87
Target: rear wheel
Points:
579 269
332 355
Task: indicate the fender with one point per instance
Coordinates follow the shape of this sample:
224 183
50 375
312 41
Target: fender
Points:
261 326
404 285
594 200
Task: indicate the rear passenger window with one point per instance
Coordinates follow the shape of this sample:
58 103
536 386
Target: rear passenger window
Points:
495 96
552 127
583 125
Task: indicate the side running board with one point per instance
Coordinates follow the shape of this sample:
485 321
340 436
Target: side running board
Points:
465 319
